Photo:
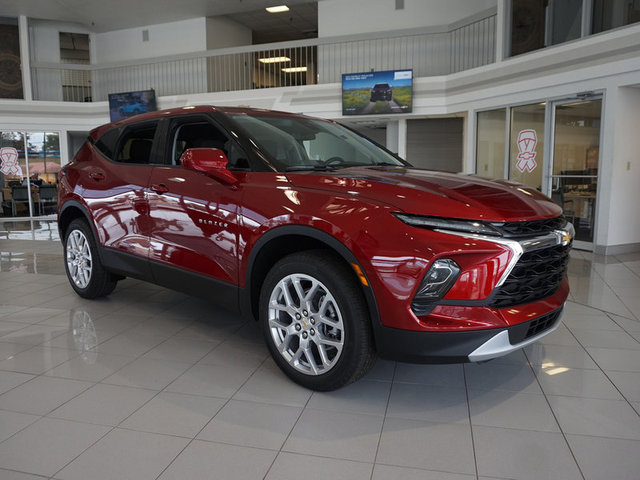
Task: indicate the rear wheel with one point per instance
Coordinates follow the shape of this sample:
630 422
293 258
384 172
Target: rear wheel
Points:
315 321
85 272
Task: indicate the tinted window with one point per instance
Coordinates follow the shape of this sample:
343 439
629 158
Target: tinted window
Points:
205 135
106 144
136 143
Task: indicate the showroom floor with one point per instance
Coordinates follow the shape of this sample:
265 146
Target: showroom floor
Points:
149 383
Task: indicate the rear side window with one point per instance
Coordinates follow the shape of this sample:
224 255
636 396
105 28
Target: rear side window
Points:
136 143
106 144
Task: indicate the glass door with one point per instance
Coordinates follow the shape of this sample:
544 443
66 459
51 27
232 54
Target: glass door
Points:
573 171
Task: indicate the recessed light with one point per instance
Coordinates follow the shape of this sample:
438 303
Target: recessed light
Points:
274 59
294 69
277 9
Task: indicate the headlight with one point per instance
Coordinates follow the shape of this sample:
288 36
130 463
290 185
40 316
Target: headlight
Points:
470 226
435 284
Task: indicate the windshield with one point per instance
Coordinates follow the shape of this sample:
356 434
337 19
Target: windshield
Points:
307 144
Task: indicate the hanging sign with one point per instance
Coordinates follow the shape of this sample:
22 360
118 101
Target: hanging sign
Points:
10 165
527 141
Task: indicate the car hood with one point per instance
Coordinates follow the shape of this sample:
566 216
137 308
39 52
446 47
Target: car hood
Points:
434 193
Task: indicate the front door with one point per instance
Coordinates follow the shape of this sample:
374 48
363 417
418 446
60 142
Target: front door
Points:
193 217
573 170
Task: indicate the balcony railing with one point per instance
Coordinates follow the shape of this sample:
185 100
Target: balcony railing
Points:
433 51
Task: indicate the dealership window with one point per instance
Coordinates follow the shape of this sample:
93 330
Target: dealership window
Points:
490 141
29 173
526 144
537 24
10 70
608 14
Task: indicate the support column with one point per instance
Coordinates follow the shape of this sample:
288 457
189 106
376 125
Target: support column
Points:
402 138
25 57
392 136
503 29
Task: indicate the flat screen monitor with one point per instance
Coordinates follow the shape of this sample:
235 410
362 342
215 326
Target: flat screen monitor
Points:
128 104
371 93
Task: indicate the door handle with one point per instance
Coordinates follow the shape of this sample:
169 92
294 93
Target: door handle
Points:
159 188
97 176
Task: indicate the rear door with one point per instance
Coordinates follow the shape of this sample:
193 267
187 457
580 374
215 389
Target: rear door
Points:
193 217
116 192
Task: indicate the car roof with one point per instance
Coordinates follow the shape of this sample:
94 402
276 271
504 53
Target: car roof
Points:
99 131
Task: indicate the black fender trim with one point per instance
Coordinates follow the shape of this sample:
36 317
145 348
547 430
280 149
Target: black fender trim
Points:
74 203
327 239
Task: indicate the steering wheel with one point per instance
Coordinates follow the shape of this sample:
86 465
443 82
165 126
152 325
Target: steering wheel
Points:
334 161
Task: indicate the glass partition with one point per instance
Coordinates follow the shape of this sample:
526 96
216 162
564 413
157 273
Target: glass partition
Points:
526 144
576 155
490 143
29 166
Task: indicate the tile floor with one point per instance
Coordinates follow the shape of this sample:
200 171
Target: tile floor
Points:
149 383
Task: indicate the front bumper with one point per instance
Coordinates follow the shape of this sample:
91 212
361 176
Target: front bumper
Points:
463 346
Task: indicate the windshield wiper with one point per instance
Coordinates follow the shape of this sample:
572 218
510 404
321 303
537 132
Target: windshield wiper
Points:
312 168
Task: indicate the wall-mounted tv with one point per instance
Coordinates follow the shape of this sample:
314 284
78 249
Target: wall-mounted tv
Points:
370 93
128 104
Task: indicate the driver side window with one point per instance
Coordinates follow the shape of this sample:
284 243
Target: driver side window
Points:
205 135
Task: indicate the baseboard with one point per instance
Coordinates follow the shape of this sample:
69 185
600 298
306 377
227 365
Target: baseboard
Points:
617 249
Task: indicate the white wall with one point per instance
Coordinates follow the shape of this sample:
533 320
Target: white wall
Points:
44 39
223 32
186 36
229 71
172 38
623 225
337 17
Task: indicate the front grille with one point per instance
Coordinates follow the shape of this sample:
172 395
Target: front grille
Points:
530 228
519 333
537 275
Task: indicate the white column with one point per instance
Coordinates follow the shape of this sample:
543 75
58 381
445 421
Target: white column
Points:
469 143
503 29
25 57
65 153
402 138
392 136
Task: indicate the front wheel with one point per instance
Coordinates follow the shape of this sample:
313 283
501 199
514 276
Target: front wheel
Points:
84 270
316 322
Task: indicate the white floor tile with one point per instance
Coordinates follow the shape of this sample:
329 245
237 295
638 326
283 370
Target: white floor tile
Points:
124 454
230 462
347 436
523 454
251 424
47 445
292 466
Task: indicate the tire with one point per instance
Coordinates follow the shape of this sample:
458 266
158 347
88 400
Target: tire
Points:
82 263
315 321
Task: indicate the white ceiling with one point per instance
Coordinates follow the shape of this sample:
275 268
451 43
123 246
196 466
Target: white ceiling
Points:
109 15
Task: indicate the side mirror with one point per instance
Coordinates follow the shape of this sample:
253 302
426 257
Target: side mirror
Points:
211 161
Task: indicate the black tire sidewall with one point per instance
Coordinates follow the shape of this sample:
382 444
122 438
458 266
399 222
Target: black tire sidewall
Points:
337 279
100 282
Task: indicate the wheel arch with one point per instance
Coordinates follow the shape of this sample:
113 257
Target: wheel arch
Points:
71 210
281 241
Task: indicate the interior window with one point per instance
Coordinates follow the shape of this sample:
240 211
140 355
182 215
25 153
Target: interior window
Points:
136 143
205 135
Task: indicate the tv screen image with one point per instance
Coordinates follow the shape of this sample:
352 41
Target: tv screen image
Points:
128 104
370 93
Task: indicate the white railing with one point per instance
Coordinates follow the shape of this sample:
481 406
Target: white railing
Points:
433 51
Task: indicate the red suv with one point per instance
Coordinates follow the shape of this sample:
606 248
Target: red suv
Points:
340 249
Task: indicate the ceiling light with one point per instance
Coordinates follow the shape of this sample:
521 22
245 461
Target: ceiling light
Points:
277 9
294 69
274 59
